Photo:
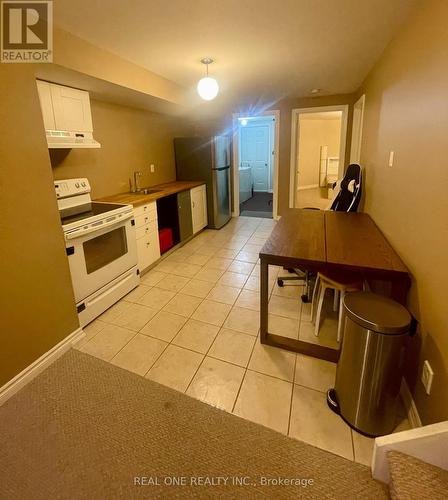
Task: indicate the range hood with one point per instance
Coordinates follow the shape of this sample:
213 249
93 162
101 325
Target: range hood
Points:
61 139
67 116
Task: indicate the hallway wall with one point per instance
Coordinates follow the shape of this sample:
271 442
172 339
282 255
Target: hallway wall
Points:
407 112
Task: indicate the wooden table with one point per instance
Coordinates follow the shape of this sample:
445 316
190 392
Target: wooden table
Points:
316 240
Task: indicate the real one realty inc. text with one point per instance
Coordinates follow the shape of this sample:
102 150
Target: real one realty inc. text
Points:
221 481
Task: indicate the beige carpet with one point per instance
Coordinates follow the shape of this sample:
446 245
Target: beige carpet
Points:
86 429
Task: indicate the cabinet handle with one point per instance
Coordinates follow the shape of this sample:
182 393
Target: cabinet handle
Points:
145 207
193 204
147 243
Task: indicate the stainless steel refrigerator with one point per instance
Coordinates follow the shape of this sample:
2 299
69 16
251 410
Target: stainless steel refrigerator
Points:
207 159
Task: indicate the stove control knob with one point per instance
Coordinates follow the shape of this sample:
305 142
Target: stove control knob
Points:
83 184
77 185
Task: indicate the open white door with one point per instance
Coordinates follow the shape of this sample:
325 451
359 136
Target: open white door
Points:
358 116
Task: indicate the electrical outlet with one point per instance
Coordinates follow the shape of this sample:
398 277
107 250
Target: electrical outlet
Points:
427 376
152 168
391 158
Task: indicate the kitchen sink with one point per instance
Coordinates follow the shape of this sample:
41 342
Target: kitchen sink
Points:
146 191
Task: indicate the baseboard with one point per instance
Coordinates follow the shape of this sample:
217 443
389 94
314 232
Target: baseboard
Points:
31 371
308 186
409 404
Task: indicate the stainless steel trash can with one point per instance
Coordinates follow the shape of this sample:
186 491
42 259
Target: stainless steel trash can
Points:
370 366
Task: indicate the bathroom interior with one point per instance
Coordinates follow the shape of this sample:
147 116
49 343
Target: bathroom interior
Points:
318 151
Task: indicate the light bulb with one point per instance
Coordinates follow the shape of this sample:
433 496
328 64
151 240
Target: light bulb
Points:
208 88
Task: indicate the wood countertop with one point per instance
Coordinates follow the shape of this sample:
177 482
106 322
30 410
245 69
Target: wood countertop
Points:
137 199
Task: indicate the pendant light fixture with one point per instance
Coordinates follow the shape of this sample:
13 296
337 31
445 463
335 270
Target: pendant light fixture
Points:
207 87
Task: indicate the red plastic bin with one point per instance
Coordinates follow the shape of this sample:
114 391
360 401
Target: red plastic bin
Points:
165 239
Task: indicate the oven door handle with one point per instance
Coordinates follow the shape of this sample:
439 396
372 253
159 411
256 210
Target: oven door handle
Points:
77 234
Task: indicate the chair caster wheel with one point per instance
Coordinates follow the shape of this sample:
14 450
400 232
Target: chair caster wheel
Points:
280 282
305 298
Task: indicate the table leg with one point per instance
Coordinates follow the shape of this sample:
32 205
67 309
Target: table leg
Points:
264 300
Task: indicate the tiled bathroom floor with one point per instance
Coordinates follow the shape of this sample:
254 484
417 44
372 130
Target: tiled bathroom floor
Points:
193 325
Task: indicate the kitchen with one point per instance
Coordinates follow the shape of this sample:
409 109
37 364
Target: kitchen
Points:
123 244
138 301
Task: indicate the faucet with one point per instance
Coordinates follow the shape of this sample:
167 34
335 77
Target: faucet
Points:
136 182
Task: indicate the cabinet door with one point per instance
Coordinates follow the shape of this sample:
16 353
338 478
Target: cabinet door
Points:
148 250
184 214
199 208
204 206
154 247
43 89
71 109
196 210
143 252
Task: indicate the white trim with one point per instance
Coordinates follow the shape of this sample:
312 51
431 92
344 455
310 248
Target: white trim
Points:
428 443
359 104
294 150
409 404
31 371
236 181
308 186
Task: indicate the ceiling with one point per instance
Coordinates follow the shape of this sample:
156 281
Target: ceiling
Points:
264 49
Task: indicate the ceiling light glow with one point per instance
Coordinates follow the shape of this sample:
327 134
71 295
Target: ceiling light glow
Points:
207 87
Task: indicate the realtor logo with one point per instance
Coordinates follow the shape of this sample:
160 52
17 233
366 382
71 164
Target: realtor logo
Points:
27 32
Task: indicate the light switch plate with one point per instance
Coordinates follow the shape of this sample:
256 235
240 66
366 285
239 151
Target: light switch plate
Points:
152 168
427 376
391 158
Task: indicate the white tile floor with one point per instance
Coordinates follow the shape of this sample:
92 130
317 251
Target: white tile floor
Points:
193 325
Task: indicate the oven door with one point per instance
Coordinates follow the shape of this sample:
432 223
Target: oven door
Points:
96 257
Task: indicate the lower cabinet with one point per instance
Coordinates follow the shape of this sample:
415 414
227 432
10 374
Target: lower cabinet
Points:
147 234
191 214
199 208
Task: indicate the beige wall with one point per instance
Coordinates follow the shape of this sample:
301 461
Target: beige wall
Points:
407 112
131 140
314 133
37 303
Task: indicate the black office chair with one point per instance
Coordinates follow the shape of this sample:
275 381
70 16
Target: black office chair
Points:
346 200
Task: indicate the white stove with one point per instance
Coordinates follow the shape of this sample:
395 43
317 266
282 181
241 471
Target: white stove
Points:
100 245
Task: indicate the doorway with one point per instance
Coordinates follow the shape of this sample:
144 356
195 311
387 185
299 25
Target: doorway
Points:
255 165
317 154
358 118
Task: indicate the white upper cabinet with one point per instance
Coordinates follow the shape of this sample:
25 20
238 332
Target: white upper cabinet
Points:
71 109
199 208
67 116
46 105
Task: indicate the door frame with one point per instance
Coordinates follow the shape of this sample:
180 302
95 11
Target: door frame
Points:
295 130
358 113
235 160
